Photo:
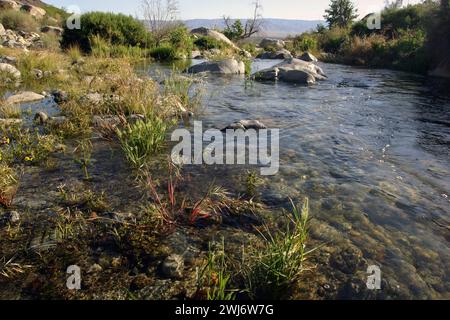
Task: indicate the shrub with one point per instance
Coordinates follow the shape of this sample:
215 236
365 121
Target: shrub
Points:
18 20
207 43
164 53
117 29
305 43
180 39
332 40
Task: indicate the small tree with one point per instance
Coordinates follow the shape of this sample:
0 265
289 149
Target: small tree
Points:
236 31
160 17
340 14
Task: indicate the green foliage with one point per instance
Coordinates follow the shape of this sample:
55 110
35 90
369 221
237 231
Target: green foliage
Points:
332 40
18 20
207 43
102 48
278 266
142 139
305 42
235 31
341 13
180 39
117 29
164 53
215 276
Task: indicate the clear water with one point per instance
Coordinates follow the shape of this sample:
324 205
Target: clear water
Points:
370 148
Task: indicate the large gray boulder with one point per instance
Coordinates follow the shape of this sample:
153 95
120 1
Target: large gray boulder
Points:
293 71
214 34
228 66
280 54
24 97
10 70
272 43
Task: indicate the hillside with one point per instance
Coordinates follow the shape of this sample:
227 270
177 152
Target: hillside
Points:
272 27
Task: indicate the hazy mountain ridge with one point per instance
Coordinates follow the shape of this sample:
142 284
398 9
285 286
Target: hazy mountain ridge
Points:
271 27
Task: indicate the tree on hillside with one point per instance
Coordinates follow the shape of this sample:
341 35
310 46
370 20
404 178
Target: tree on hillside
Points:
236 31
160 16
340 14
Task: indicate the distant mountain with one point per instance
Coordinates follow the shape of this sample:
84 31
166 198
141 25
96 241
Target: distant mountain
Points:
278 28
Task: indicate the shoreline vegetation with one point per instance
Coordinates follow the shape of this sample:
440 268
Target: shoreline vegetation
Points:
84 176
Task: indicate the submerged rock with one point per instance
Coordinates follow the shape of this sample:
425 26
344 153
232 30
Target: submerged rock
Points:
245 125
173 266
292 70
228 66
23 97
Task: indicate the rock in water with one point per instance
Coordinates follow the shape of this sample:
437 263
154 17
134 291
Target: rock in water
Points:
173 266
280 54
294 71
245 125
228 66
23 97
308 57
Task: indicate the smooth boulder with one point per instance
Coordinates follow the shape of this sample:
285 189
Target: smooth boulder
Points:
228 66
272 43
293 71
280 54
202 31
24 97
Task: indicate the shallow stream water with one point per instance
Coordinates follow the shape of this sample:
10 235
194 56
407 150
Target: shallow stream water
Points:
370 148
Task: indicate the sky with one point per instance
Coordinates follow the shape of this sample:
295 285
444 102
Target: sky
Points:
210 9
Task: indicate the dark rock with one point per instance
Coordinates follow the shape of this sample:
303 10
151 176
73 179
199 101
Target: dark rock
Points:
173 266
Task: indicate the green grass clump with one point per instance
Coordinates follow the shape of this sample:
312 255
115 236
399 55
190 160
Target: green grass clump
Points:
276 268
164 53
142 139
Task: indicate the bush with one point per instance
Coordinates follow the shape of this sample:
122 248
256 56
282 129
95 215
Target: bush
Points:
101 48
305 42
164 53
207 43
333 40
17 20
117 29
180 39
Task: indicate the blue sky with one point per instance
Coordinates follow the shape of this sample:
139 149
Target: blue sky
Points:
190 9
